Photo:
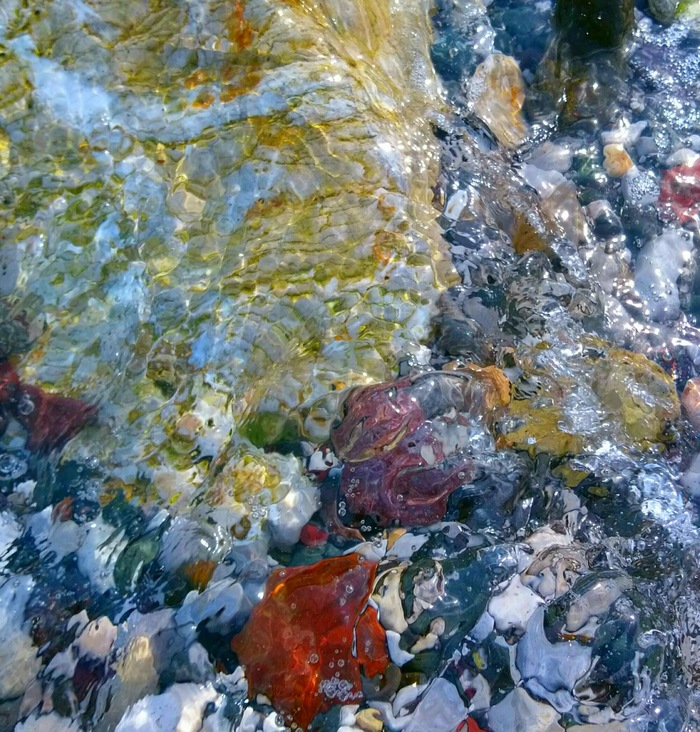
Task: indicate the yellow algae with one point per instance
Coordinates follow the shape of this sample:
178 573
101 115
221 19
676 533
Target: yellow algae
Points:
571 477
526 237
632 402
540 431
4 154
638 393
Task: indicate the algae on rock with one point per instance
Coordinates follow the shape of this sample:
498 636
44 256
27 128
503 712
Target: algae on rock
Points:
225 208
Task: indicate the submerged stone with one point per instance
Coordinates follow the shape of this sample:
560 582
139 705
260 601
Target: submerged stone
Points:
308 639
497 94
587 26
582 75
253 216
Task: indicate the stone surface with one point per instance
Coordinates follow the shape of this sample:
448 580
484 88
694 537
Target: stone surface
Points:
497 94
212 259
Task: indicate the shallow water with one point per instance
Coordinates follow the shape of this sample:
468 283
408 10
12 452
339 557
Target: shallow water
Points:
224 224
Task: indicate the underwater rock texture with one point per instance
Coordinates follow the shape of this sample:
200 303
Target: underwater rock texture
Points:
227 208
219 231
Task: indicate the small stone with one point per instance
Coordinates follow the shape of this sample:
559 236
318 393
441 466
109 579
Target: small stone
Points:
513 608
181 707
690 400
659 267
624 134
546 667
617 160
369 720
663 10
549 156
19 662
51 722
456 203
396 653
684 156
189 426
441 709
497 93
595 602
519 712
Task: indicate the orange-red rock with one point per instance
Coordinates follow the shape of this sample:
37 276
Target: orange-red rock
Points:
312 634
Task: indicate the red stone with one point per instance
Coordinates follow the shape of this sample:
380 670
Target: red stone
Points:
469 725
680 193
307 641
377 417
400 486
51 420
312 535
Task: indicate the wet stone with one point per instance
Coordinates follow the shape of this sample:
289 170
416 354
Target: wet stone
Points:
348 366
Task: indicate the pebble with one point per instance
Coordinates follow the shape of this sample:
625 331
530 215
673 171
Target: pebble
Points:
544 182
684 156
440 710
551 667
369 720
658 269
595 601
497 94
456 204
519 712
19 662
690 400
52 722
397 654
690 480
179 709
513 608
617 161
552 156
625 133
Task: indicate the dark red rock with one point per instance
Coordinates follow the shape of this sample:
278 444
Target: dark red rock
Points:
51 420
377 417
402 485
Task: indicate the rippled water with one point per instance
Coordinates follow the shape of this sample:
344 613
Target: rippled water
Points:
349 365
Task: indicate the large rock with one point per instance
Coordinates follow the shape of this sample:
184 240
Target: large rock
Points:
218 208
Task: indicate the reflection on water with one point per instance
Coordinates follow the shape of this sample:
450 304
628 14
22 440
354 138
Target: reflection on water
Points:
220 217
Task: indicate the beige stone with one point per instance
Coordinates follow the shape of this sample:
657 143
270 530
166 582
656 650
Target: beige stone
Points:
369 720
497 94
690 400
617 161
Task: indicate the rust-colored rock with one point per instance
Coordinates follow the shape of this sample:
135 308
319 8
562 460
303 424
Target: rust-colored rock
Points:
311 636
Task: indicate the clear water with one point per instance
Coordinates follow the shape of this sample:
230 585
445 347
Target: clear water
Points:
218 218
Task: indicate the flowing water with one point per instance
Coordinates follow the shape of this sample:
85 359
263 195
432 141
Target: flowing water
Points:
349 365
